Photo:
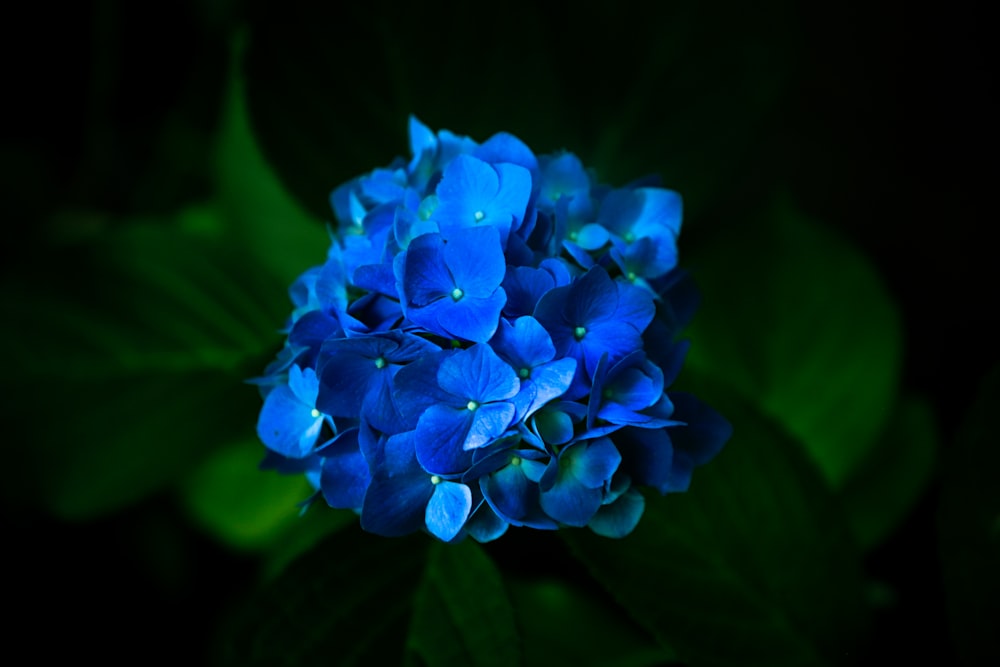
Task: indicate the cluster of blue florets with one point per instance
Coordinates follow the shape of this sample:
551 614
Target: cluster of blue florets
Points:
488 344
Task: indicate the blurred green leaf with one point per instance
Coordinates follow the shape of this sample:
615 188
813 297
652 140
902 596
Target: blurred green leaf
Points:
261 215
461 614
346 602
753 566
799 322
969 529
308 530
130 361
563 624
661 87
884 487
239 504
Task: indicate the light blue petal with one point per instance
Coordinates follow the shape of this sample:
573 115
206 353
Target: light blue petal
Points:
478 374
448 509
489 423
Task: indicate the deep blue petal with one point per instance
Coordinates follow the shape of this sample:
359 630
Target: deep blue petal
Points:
647 456
415 386
706 431
345 476
397 496
440 437
349 371
569 502
421 273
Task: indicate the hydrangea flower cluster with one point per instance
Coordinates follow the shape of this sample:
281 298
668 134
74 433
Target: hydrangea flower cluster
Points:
488 344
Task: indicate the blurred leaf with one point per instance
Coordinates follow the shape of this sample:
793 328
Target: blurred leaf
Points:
461 613
753 566
880 492
238 503
308 530
562 624
969 529
129 359
663 87
800 323
346 602
277 232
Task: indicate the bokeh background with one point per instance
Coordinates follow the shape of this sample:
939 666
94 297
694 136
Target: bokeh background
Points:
166 174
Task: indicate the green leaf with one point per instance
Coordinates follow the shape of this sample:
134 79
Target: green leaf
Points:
239 504
969 529
260 213
346 602
130 362
753 566
461 613
677 92
563 624
884 487
317 522
800 323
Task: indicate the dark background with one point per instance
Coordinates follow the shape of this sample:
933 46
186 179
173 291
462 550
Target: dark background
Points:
884 130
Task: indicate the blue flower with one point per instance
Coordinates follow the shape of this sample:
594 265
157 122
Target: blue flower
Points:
464 402
490 343
452 288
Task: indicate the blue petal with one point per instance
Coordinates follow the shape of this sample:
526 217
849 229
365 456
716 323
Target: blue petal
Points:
635 306
593 463
484 525
549 381
554 426
569 502
415 386
477 374
648 457
472 319
286 424
706 431
489 423
524 287
475 260
515 498
440 437
620 517
421 274
448 509
345 475
349 372
397 497
505 147
524 343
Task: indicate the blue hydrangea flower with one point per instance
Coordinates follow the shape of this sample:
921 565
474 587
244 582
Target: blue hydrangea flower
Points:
490 343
